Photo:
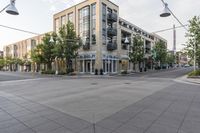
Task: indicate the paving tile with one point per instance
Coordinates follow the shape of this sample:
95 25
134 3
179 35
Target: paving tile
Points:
36 122
190 126
21 113
17 128
109 124
28 117
55 115
97 129
61 130
73 123
5 117
128 129
157 128
171 120
8 123
142 121
46 127
121 116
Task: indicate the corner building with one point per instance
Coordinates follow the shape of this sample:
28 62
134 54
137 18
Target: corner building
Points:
103 33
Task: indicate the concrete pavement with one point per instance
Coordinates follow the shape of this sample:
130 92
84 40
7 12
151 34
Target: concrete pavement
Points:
137 104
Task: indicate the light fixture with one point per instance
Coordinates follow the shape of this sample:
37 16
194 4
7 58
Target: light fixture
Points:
11 9
51 40
166 12
126 40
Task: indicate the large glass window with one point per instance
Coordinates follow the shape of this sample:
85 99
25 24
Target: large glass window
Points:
104 23
84 24
70 17
56 25
63 20
93 23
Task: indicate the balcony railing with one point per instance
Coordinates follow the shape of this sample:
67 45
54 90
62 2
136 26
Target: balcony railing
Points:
111 46
112 32
112 17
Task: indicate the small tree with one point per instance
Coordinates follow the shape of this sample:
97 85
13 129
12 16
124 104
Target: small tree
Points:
67 45
170 59
136 54
2 63
193 36
160 49
37 56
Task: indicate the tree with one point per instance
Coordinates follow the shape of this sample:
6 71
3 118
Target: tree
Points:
170 59
36 55
2 63
137 51
193 36
160 49
47 50
67 45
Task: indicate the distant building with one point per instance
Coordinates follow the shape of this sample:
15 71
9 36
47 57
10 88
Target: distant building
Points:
22 50
182 58
1 54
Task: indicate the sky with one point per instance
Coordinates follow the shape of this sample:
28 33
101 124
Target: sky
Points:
37 16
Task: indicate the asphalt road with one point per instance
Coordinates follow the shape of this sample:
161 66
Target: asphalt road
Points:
151 102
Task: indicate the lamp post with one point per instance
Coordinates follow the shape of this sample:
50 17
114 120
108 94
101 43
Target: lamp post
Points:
166 13
127 43
10 8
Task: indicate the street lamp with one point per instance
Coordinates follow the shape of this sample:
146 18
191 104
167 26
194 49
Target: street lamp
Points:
10 8
166 13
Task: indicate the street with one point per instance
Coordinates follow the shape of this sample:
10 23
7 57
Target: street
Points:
151 102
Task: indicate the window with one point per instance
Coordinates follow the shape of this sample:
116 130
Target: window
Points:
94 23
56 25
84 23
63 20
70 17
104 24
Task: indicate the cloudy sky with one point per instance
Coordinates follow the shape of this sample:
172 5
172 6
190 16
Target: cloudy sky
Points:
36 16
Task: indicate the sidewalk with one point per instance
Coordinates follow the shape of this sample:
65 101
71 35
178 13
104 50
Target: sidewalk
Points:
190 80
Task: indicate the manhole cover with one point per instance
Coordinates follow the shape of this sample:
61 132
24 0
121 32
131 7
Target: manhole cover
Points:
93 83
127 83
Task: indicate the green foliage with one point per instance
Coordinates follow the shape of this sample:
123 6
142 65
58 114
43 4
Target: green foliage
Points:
170 58
137 50
2 63
194 73
160 49
48 72
193 36
124 72
67 45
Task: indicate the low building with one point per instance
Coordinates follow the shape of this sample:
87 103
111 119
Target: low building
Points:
22 50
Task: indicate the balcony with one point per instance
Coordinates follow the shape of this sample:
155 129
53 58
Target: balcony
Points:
112 17
111 32
111 46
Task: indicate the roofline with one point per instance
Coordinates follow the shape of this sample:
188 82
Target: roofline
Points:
79 4
28 38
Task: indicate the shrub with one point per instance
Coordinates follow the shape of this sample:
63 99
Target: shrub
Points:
48 72
62 73
124 72
194 73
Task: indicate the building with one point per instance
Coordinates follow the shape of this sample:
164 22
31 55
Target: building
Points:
182 58
22 50
103 33
1 54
